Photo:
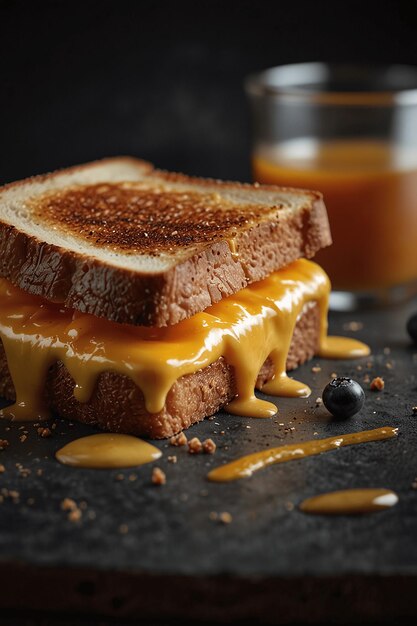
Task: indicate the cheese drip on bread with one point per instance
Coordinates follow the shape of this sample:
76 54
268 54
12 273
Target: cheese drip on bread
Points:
246 328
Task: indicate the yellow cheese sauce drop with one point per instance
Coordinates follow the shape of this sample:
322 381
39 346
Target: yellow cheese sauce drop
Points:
105 451
245 466
350 502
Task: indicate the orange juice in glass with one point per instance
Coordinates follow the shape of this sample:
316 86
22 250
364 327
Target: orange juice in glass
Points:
351 133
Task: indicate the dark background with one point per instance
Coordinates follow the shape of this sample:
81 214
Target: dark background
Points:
163 79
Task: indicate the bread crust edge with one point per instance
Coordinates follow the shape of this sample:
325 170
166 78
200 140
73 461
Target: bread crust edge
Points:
91 286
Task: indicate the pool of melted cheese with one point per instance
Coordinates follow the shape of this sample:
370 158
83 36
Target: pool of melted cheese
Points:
245 329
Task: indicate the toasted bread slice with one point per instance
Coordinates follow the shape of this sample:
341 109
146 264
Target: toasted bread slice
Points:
121 240
118 405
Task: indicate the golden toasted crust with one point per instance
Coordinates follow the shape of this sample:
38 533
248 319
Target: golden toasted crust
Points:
118 405
134 219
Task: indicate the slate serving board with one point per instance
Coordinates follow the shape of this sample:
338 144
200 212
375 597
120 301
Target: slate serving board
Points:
272 563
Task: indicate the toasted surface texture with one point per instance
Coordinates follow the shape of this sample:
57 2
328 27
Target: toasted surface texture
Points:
118 405
121 240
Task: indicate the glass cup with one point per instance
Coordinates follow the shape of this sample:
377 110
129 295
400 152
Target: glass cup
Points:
351 133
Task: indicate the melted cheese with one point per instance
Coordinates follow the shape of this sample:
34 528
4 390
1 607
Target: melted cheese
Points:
350 502
245 466
106 450
245 329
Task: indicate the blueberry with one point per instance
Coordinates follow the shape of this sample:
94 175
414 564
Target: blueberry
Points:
343 397
412 327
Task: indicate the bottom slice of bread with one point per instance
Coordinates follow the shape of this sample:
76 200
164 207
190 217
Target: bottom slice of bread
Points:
117 404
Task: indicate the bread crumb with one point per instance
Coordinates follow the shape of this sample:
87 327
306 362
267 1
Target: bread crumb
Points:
333 375
319 401
195 446
23 438
119 477
75 515
172 459
158 476
74 512
133 477
353 326
68 504
414 409
366 378
2 469
377 384
12 494
389 365
223 518
209 447
178 440
289 506
316 369
44 432
39 472
123 529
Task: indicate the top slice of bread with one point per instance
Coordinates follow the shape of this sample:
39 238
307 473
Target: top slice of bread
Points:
122 240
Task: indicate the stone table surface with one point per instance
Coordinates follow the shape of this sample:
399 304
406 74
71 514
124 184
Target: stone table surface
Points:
156 553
